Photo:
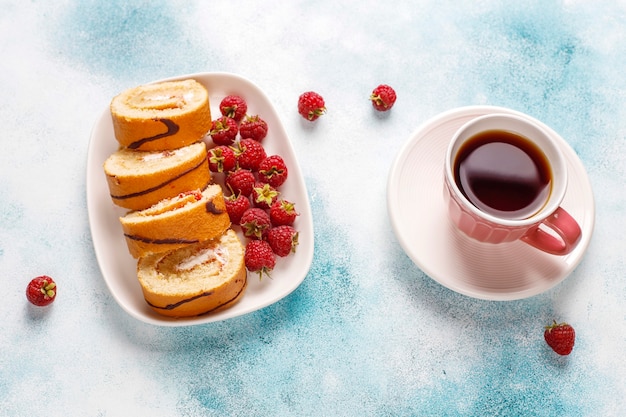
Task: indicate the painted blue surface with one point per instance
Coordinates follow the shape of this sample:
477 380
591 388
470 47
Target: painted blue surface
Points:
367 333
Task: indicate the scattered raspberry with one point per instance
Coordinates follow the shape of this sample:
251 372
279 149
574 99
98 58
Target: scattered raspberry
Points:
263 195
311 105
236 205
273 171
560 337
253 127
41 291
282 212
383 97
255 223
224 131
259 257
250 153
283 240
222 159
240 181
234 107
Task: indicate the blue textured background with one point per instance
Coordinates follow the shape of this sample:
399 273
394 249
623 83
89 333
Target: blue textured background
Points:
367 333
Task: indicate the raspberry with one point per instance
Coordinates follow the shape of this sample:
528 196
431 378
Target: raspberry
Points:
255 223
253 127
224 131
273 171
41 291
236 205
222 159
263 195
282 212
311 105
249 154
240 181
234 107
259 257
383 97
283 240
560 337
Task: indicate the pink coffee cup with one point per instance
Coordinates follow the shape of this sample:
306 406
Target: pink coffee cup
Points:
549 228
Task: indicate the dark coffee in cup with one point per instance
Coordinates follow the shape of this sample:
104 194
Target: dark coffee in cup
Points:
503 174
505 177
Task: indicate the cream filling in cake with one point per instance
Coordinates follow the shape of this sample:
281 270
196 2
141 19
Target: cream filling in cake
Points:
156 156
219 254
189 272
164 96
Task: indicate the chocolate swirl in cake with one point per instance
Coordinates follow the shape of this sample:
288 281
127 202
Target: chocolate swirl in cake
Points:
188 300
172 129
163 184
212 208
166 241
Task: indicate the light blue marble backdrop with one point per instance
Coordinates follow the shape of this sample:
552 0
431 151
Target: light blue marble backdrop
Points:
367 333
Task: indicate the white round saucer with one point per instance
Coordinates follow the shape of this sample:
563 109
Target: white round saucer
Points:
507 271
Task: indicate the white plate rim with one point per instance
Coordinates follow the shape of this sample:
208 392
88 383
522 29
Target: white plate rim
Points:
569 262
290 272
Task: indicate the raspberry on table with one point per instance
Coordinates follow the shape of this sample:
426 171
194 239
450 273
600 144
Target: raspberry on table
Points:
560 337
383 97
311 105
41 291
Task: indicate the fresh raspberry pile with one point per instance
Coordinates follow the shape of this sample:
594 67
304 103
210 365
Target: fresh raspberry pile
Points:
252 182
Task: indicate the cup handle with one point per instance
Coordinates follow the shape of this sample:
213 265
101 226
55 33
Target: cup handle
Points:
565 238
